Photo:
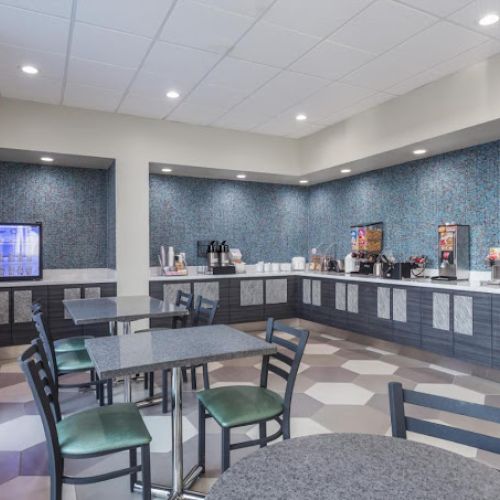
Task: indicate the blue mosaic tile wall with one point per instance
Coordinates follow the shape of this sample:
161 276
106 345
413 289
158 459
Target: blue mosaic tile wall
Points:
266 221
72 204
412 200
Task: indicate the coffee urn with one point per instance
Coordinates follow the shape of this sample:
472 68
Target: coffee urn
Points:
453 252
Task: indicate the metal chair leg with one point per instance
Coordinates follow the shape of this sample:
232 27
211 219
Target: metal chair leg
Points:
285 427
146 473
109 384
225 448
133 462
101 393
262 434
164 391
184 375
206 380
193 378
56 479
201 436
146 381
151 384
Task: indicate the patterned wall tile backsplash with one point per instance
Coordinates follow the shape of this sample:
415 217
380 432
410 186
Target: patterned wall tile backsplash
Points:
412 200
72 203
266 221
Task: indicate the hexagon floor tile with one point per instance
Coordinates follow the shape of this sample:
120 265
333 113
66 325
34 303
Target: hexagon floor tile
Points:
324 349
370 367
21 433
339 394
160 428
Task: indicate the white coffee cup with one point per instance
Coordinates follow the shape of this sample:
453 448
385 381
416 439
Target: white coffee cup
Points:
267 267
260 267
275 267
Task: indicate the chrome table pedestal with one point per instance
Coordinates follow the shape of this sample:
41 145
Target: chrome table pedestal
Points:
180 484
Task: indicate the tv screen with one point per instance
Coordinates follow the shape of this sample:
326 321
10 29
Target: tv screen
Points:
20 251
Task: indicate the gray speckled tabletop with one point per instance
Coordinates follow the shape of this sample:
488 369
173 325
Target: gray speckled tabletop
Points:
161 349
90 311
356 467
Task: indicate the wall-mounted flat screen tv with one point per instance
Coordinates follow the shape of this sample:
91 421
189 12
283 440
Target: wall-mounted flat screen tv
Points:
20 251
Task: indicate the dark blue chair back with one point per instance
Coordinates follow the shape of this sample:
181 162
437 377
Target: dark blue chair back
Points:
204 311
401 423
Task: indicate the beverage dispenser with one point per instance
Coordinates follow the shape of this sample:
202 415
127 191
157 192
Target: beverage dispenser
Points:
453 252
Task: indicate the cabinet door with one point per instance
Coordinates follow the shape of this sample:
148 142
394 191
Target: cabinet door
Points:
406 315
472 329
23 328
94 291
437 335
5 320
59 322
495 320
338 311
280 296
246 300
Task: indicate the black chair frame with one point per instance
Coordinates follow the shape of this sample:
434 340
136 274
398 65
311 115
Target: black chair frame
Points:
401 423
37 370
290 377
48 344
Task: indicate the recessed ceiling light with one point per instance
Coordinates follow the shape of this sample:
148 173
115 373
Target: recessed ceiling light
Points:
345 171
241 176
166 170
489 19
47 159
301 117
173 94
304 181
29 70
419 152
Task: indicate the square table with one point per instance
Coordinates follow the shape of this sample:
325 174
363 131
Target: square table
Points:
173 349
123 310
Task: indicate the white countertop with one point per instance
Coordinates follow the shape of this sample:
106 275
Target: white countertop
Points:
473 285
67 277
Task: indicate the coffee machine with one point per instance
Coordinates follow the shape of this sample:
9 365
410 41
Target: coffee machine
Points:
453 252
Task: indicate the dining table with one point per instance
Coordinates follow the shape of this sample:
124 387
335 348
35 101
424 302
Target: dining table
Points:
356 466
123 310
124 355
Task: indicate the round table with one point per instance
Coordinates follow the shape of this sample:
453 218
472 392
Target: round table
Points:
354 467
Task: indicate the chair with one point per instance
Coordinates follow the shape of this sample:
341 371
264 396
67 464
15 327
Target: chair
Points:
204 314
68 362
238 406
87 434
401 423
66 344
182 299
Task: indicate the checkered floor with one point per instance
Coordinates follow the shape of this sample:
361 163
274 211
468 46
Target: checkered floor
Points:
342 387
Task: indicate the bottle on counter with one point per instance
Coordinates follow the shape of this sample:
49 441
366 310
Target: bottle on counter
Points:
170 257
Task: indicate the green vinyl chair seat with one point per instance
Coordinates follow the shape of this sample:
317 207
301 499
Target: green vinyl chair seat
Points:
102 430
73 361
70 344
241 405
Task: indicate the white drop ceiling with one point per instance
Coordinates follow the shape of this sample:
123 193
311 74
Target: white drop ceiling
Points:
248 65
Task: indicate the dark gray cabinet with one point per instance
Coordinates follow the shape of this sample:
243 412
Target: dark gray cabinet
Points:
406 315
436 330
280 297
5 317
246 300
23 329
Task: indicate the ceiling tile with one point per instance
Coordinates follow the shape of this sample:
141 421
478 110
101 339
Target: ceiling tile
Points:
314 17
50 65
331 60
436 44
172 66
144 106
84 96
286 125
195 113
30 89
253 8
60 8
329 100
239 74
131 16
216 95
271 44
32 30
470 15
108 46
438 7
285 90
415 82
244 116
197 25
98 74
383 72
381 26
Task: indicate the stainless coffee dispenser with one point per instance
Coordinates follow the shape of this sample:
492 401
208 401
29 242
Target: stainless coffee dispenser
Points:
453 252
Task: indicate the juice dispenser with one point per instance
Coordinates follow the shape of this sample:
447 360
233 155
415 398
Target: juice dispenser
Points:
453 253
